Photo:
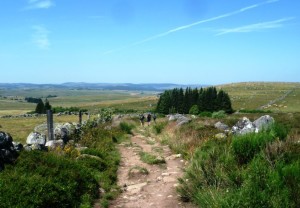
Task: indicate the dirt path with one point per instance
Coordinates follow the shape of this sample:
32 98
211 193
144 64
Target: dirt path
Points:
148 185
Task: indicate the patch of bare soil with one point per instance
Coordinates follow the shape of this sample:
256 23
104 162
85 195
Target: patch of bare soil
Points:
146 185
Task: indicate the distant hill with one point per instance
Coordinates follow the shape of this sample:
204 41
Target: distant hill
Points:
98 86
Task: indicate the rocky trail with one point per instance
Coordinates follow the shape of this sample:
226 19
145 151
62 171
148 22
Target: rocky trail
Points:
148 185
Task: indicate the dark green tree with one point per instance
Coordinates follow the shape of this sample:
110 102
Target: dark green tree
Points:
224 102
40 107
181 103
164 103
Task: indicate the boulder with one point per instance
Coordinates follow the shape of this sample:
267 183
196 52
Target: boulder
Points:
179 118
243 126
36 138
172 118
8 154
42 129
263 122
53 144
221 126
63 131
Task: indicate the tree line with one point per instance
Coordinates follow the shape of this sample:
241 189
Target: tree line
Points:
42 107
184 101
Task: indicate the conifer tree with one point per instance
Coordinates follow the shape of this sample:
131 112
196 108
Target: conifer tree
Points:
40 107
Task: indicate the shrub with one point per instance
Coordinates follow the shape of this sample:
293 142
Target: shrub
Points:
219 114
246 146
126 127
205 114
207 173
158 127
151 159
46 180
194 110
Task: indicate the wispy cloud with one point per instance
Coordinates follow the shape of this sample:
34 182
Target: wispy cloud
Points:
256 27
39 4
184 27
40 37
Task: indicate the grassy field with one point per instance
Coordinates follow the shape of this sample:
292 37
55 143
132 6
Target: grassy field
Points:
20 128
255 95
249 96
92 100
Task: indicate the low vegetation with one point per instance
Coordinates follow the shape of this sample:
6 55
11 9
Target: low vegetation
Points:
151 159
253 170
66 177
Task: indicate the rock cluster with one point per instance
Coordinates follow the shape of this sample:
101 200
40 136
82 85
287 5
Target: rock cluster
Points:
179 118
245 126
8 149
62 133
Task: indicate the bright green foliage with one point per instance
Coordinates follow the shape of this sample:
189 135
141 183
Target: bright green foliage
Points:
254 170
45 179
219 114
194 110
158 127
151 159
126 127
106 114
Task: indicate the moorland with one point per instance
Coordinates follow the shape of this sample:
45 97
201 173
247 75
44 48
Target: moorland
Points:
256 170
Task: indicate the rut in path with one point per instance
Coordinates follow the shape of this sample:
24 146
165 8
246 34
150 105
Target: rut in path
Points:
155 189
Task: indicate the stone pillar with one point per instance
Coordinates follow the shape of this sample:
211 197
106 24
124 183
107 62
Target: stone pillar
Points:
50 125
80 117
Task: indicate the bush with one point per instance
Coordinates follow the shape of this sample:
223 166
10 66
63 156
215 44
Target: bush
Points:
126 127
46 180
151 159
253 170
194 110
212 169
219 114
205 114
246 146
158 127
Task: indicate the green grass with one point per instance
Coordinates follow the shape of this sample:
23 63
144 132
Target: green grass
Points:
90 99
140 169
151 159
253 170
20 128
65 177
253 95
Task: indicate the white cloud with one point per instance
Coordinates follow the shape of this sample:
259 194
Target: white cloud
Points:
39 4
40 37
256 27
184 27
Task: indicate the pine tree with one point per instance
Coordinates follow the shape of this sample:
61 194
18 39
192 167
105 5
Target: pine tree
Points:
224 102
164 102
181 103
40 107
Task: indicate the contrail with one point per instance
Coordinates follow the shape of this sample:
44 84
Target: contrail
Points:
184 27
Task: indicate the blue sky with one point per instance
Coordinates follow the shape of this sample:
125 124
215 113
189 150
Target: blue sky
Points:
149 41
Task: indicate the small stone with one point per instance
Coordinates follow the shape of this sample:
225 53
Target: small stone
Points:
170 196
159 178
